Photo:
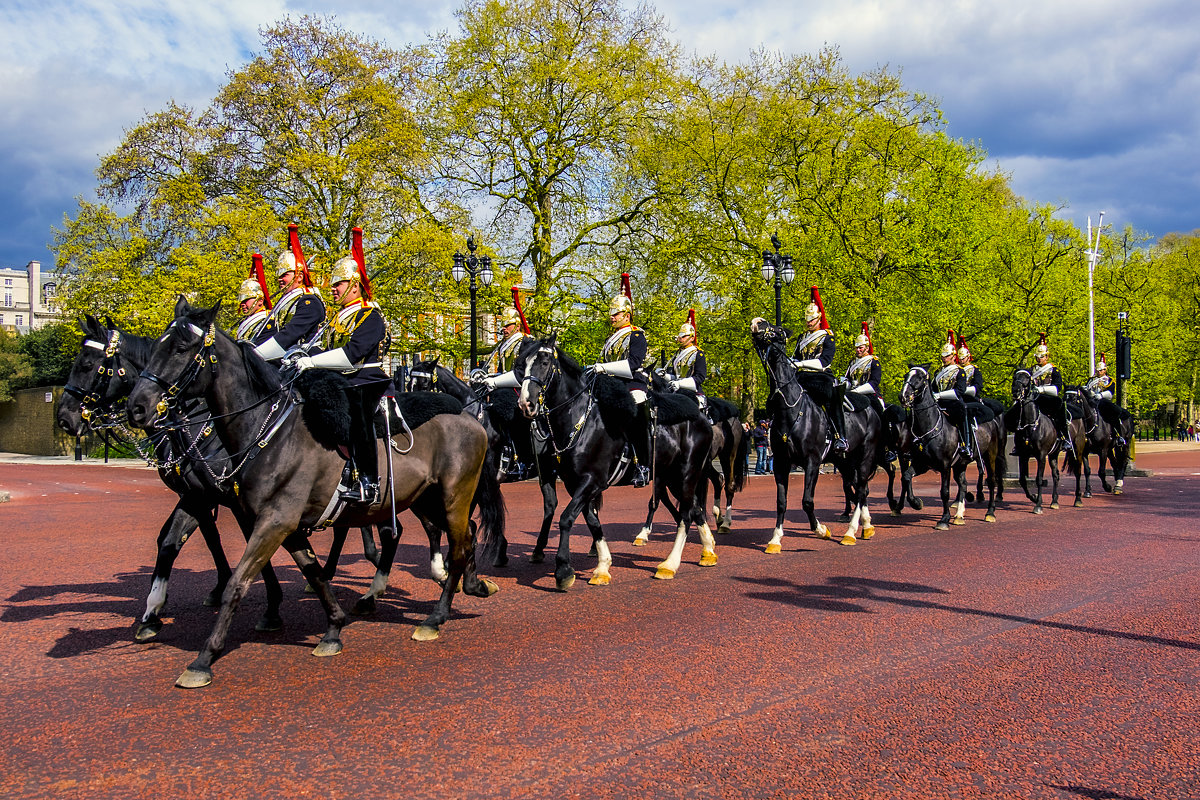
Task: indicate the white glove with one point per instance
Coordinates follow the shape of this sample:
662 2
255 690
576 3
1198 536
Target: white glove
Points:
599 369
674 385
489 383
1049 389
620 369
810 363
1039 389
970 391
302 363
865 388
946 395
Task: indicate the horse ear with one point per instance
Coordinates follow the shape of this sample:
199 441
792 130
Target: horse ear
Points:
210 314
181 306
89 324
108 323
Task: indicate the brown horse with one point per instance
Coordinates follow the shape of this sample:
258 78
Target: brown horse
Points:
287 481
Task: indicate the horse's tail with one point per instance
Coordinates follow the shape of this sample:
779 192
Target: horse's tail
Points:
741 459
490 503
1071 463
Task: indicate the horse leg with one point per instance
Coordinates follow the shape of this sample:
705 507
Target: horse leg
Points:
206 518
1037 499
1081 466
643 536
960 504
1054 475
331 643
860 510
270 621
906 483
1023 477
848 492
175 531
335 554
564 574
943 524
782 473
461 538
549 504
992 480
601 575
389 539
812 471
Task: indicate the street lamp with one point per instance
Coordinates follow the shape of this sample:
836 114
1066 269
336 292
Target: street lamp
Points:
477 267
778 268
1093 255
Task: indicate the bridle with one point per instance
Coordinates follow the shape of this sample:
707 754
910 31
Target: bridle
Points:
542 416
911 402
785 364
91 400
204 356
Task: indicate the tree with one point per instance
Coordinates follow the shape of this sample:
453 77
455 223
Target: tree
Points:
51 352
15 368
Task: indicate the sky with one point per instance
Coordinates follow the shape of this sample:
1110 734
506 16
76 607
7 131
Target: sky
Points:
1091 106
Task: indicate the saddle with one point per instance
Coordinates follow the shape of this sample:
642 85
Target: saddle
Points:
856 401
979 413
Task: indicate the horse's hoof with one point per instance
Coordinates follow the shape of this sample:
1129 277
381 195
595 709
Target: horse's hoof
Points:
147 631
941 526
989 518
664 573
823 532
269 624
868 532
917 504
708 558
895 513
1117 491
958 521
641 541
1087 494
1054 506
194 678
724 528
848 540
425 633
1079 504
600 580
365 607
1037 511
308 588
537 558
213 599
773 549
327 649
491 587
565 583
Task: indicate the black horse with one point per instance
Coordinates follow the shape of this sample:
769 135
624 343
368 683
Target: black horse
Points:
190 460
585 420
504 425
1101 440
801 434
931 443
1035 437
290 485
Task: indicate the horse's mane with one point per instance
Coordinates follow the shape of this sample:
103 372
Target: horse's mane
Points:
137 348
263 377
570 366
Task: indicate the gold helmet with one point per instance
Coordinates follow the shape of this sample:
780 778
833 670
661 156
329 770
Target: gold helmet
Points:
509 317
286 264
947 350
686 329
346 269
862 341
812 311
964 354
620 303
249 289
1042 350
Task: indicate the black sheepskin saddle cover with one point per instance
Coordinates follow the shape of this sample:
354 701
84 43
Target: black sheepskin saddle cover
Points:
326 410
674 408
980 413
720 410
502 405
616 405
858 401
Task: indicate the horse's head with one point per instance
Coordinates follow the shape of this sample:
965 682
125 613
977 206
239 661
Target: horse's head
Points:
538 368
97 378
765 335
181 364
423 377
1022 382
916 383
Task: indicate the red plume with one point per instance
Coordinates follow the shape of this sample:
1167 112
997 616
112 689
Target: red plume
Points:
870 342
950 336
692 317
625 290
520 311
256 272
816 298
298 253
963 343
356 250
1042 339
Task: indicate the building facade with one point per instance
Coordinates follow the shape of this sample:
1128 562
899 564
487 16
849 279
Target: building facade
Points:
27 298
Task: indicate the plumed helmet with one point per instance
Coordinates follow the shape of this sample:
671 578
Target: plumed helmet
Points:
286 264
862 341
964 354
1101 366
510 316
686 329
1042 350
812 311
947 350
620 303
249 289
345 269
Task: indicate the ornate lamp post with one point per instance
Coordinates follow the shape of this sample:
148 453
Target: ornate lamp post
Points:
777 268
477 267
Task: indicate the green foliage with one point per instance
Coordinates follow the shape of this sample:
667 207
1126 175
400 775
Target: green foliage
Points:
51 351
15 368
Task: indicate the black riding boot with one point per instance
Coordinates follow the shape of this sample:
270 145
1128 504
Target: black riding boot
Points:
837 418
362 446
643 447
964 439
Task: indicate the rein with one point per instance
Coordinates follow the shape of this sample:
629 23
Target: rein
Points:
781 382
937 425
543 415
91 400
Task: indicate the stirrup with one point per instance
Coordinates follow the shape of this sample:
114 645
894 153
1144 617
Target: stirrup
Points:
641 476
365 492
840 445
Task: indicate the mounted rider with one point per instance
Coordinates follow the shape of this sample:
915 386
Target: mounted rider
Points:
974 375
356 345
689 368
813 358
299 311
623 357
500 362
863 376
254 303
1048 386
1102 388
949 387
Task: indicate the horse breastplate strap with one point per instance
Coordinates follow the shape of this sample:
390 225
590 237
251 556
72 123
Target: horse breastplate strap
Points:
617 346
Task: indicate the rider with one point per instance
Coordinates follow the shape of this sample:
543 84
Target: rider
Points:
949 386
1047 385
622 357
812 358
299 311
974 375
501 360
256 326
1101 388
357 343
689 367
863 376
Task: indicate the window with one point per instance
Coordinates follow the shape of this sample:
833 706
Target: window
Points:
1 319
20 320
8 281
8 299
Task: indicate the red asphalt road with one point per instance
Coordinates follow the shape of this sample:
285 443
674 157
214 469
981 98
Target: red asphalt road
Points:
1039 657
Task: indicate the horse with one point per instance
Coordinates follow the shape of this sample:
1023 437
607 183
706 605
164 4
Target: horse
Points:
101 377
502 426
1083 424
1101 439
585 419
727 464
931 443
286 482
1034 437
802 434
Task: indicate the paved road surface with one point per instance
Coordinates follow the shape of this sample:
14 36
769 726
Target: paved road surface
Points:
1039 657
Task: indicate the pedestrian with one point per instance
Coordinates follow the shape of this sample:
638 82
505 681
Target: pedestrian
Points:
761 440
